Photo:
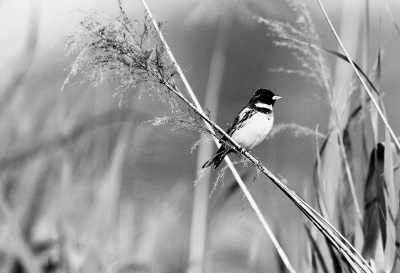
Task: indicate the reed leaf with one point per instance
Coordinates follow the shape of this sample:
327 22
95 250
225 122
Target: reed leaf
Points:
338 55
391 159
381 206
393 20
347 200
370 94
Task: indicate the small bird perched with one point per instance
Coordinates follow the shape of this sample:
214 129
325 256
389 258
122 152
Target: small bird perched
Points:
251 126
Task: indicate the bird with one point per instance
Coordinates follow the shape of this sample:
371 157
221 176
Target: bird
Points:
250 127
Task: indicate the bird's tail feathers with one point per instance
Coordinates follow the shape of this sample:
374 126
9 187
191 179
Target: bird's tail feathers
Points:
217 158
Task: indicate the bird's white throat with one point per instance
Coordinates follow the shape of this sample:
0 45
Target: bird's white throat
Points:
263 105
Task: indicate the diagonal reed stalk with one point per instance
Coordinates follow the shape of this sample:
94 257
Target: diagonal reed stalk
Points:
387 125
211 126
349 253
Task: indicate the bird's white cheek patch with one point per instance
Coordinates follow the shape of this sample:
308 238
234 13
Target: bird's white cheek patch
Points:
254 131
263 105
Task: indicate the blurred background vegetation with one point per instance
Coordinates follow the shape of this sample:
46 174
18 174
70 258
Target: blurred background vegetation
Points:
86 186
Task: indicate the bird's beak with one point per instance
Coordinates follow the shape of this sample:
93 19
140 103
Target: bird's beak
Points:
276 97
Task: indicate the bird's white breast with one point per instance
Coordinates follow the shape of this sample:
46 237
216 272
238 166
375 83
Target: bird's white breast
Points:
254 131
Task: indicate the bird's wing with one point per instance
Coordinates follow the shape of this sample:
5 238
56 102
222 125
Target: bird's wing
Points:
238 123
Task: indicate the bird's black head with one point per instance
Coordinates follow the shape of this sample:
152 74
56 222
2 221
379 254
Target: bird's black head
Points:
264 96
